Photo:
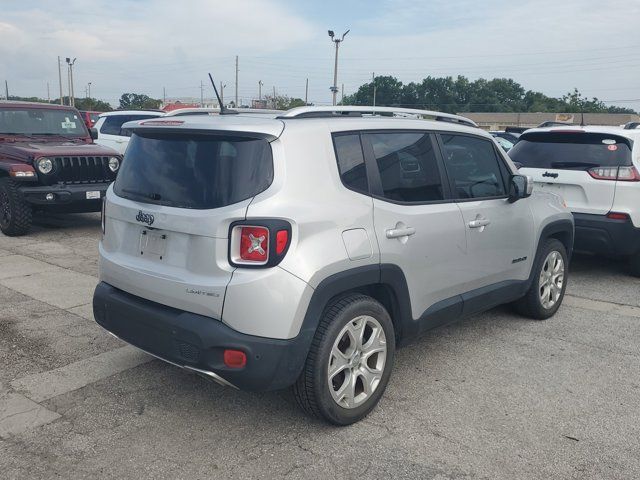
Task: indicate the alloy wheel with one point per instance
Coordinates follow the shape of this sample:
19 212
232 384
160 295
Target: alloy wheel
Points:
551 279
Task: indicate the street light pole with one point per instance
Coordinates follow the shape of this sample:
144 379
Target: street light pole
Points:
337 41
260 84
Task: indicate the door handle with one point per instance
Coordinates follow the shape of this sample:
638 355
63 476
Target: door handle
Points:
400 232
479 223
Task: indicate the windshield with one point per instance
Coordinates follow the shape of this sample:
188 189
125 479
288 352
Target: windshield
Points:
40 121
194 171
571 151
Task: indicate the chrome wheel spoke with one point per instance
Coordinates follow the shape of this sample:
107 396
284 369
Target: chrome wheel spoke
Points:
551 279
357 361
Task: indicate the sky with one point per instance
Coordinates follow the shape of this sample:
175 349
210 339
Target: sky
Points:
151 46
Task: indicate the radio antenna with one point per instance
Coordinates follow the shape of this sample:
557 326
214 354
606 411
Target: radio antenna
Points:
223 110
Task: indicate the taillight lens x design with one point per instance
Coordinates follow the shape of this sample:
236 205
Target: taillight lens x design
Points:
263 244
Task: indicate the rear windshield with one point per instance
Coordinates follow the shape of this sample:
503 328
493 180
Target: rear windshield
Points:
41 121
571 151
194 171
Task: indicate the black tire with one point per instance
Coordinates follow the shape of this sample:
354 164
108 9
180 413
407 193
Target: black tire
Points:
634 265
531 305
312 390
15 213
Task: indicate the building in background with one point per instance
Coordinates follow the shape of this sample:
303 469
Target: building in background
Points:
499 121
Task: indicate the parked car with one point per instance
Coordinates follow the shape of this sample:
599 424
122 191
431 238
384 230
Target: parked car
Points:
89 118
179 112
48 162
596 170
503 142
109 127
510 136
330 237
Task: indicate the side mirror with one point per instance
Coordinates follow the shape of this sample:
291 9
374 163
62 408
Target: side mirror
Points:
521 186
94 133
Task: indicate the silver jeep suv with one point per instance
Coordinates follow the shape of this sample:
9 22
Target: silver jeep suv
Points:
301 250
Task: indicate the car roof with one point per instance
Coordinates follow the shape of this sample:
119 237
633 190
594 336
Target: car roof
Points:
606 129
23 104
273 127
155 113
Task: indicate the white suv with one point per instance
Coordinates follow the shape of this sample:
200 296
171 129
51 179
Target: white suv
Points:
109 127
302 250
596 170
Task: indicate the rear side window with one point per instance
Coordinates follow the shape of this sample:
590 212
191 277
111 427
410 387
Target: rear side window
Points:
408 166
474 169
351 162
194 171
571 151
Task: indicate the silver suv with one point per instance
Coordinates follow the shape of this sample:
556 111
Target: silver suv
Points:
302 250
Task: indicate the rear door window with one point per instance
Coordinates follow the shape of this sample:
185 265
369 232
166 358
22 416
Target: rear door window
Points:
351 162
473 166
408 166
571 151
194 171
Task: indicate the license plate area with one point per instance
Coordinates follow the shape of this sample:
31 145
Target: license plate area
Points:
93 195
153 244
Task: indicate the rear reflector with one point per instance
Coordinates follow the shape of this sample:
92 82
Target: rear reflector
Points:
235 358
617 216
282 240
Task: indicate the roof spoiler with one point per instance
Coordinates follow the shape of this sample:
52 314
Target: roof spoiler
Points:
356 111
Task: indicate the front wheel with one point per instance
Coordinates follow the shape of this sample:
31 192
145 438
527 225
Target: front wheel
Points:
544 297
15 213
350 361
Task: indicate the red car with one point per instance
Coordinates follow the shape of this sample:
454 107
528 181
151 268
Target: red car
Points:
89 118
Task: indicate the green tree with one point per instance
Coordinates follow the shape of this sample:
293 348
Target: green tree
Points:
284 102
138 101
92 104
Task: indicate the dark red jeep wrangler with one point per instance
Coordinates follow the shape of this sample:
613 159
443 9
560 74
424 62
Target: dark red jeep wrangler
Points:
48 162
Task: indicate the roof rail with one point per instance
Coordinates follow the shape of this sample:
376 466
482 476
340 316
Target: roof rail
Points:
356 111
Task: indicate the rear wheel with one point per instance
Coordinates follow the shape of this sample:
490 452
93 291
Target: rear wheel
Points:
15 213
544 297
634 265
349 363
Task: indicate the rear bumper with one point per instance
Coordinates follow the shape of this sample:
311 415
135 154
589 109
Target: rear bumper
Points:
72 197
602 235
197 343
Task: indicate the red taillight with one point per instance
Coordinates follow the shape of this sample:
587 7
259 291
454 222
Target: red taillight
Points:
617 216
628 174
254 244
622 174
235 358
282 240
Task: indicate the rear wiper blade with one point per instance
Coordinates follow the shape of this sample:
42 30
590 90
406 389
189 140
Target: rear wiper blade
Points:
572 164
151 196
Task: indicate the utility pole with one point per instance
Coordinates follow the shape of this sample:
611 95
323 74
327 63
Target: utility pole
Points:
164 96
60 79
373 81
70 63
306 93
48 93
236 81
222 93
201 94
275 104
342 96
260 90
6 89
89 87
337 41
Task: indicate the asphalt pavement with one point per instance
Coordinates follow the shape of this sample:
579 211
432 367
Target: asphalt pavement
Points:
494 397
